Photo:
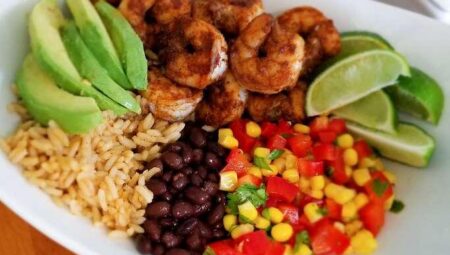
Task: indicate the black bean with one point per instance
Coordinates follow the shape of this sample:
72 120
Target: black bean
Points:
158 250
194 242
158 209
216 214
157 186
197 156
221 198
143 245
168 223
197 195
212 161
174 191
204 230
187 129
214 177
196 179
156 163
173 147
173 160
216 148
182 210
187 155
170 240
198 137
178 252
188 226
202 209
166 196
153 229
218 225
211 188
179 181
202 171
187 170
167 176
218 233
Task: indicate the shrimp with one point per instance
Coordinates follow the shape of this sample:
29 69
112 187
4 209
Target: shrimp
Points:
194 53
134 11
229 16
321 36
223 102
288 105
169 101
265 58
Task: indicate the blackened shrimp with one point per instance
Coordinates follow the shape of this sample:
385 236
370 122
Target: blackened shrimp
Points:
223 102
134 11
169 101
193 53
321 36
288 105
265 58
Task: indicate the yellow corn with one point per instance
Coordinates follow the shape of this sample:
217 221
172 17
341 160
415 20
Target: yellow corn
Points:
363 242
229 142
339 226
261 152
304 183
262 223
272 172
345 141
352 227
224 132
274 215
291 175
228 181
255 171
317 182
280 163
361 176
248 210
350 157
300 128
253 129
241 230
361 200
317 194
339 194
390 176
348 251
282 232
348 171
304 249
312 212
379 164
389 202
367 163
229 221
349 211
291 162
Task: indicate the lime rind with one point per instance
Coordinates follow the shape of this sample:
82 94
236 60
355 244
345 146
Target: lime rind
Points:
365 35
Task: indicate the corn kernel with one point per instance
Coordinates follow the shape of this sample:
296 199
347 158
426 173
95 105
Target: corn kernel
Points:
339 193
291 162
229 221
352 227
363 242
339 226
350 157
241 230
379 164
367 163
291 175
300 128
248 210
274 215
348 251
255 171
361 200
304 183
348 171
361 176
224 132
282 232
312 212
390 176
261 152
262 223
253 129
388 203
280 163
345 141
349 211
228 181
272 172
317 182
229 142
304 249
317 194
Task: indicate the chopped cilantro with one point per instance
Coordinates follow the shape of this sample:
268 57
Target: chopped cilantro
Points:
265 213
397 206
286 135
301 238
329 171
379 187
243 219
247 192
209 251
323 211
275 154
261 163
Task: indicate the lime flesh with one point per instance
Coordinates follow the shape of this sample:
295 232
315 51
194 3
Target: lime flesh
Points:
411 145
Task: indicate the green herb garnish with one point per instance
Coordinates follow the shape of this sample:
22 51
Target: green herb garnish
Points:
322 211
301 238
329 171
247 192
261 163
243 219
379 187
209 251
397 206
275 154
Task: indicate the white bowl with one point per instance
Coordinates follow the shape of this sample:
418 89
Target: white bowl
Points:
422 228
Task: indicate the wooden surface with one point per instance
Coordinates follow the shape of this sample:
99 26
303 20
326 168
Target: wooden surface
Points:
19 238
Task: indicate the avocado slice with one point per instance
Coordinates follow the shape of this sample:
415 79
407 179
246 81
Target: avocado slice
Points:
48 48
45 101
128 44
90 68
97 39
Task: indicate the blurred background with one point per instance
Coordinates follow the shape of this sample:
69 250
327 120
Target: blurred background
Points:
439 9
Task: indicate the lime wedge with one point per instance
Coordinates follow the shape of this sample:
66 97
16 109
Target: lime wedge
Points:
411 145
374 111
354 78
419 95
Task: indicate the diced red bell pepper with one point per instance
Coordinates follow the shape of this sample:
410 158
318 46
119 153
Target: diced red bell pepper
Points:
268 129
306 199
337 168
327 136
273 201
225 247
310 168
338 126
327 240
379 181
300 144
284 128
372 216
276 142
254 243
303 221
290 212
237 162
278 187
249 179
246 143
323 151
275 249
334 209
363 149
318 124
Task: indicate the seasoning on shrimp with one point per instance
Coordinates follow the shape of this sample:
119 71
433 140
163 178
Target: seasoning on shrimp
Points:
265 58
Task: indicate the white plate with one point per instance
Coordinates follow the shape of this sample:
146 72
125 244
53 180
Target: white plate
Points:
422 228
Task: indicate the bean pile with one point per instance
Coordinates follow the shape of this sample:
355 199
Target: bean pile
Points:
188 206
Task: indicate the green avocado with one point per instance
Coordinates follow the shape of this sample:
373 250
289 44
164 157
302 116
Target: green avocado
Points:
48 48
45 101
128 44
97 39
90 68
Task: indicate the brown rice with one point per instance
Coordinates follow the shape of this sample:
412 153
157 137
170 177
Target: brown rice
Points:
100 175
